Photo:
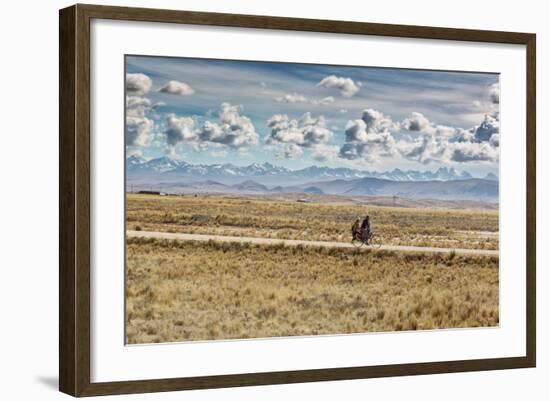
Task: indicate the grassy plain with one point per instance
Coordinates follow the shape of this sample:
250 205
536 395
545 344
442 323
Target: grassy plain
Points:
185 290
323 221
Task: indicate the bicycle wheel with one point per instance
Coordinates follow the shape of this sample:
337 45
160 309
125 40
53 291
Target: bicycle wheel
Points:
374 242
357 243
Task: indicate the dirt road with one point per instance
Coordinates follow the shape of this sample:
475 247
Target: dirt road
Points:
293 242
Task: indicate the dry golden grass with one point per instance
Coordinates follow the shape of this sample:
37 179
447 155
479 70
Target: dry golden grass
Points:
448 228
185 290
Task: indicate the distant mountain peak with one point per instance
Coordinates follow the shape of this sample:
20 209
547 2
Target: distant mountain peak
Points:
135 160
173 166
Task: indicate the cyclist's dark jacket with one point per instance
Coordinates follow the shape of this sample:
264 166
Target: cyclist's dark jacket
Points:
365 224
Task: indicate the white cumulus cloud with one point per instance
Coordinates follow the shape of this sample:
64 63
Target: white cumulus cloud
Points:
305 132
439 143
177 88
416 122
325 153
346 86
138 84
489 126
291 98
425 148
289 151
138 123
469 151
179 129
232 129
370 137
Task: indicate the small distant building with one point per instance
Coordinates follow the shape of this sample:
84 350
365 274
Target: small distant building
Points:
145 192
303 200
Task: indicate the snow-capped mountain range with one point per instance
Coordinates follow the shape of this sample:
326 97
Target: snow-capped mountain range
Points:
139 167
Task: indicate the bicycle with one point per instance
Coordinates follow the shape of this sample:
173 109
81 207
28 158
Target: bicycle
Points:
371 240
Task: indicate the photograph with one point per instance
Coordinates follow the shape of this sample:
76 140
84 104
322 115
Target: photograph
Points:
272 199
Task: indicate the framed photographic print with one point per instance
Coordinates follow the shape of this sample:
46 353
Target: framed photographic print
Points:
250 200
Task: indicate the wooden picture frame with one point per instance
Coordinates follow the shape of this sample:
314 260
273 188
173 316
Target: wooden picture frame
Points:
74 199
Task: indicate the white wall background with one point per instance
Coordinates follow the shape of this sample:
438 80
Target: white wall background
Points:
28 205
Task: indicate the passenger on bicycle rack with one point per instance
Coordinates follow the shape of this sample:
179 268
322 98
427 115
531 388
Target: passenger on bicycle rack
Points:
355 229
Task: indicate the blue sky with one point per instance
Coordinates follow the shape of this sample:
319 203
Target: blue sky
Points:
296 115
